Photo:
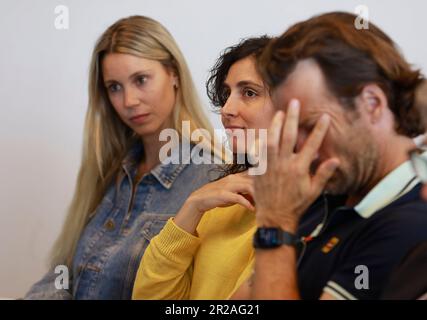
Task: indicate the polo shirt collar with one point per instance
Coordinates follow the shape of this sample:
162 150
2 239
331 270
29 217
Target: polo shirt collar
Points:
397 183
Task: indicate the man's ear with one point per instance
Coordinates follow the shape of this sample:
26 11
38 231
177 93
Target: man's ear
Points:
373 101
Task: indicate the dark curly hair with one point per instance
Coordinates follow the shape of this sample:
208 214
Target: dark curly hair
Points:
349 60
217 91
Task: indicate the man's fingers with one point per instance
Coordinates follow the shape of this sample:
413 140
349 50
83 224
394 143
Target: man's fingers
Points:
424 192
314 141
324 173
290 129
274 134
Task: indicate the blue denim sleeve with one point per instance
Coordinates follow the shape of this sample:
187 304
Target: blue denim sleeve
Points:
45 289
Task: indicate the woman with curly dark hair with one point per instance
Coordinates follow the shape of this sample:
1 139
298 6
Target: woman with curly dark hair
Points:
206 252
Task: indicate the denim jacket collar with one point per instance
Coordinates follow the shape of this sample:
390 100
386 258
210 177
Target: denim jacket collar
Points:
166 174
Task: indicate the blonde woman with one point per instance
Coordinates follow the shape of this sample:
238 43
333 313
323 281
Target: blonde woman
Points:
139 84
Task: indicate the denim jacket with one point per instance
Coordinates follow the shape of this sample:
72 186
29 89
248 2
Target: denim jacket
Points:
112 244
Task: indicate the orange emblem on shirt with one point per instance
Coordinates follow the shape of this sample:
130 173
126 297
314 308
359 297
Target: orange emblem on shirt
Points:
330 245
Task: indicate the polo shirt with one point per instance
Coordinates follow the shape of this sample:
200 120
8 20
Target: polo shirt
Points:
409 279
349 252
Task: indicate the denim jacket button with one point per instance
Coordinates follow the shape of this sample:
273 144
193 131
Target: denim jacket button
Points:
109 225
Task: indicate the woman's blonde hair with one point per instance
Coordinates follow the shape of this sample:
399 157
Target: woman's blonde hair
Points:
106 138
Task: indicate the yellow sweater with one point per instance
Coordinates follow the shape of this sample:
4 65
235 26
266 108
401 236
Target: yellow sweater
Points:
178 265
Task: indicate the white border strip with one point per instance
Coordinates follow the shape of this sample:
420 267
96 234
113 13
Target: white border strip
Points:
423 297
340 290
333 293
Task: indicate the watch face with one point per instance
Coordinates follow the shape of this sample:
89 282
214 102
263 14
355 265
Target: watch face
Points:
267 238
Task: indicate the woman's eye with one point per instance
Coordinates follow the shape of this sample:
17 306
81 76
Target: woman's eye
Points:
114 87
249 93
141 80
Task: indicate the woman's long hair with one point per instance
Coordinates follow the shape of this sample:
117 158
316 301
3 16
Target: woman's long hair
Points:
107 139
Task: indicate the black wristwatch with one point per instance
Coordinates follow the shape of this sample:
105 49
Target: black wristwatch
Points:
268 238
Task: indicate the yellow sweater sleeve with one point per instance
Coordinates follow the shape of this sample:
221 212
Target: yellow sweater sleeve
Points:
165 271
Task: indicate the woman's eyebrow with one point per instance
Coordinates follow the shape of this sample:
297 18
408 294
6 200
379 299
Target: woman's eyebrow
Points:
138 73
110 81
133 75
244 83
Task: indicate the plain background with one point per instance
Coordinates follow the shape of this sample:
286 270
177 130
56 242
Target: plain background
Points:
43 94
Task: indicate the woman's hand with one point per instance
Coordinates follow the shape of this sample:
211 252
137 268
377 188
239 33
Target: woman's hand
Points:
233 189
288 187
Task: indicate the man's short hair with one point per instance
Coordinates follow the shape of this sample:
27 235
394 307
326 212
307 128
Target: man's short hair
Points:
349 59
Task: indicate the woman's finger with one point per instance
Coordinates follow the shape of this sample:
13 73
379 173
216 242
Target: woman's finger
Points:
240 187
240 199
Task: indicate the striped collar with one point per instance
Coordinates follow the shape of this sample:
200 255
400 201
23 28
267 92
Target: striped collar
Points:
396 184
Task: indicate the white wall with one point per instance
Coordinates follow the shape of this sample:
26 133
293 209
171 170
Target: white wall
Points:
43 80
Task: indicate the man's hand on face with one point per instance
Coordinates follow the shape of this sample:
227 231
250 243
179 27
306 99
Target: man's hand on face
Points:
288 188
